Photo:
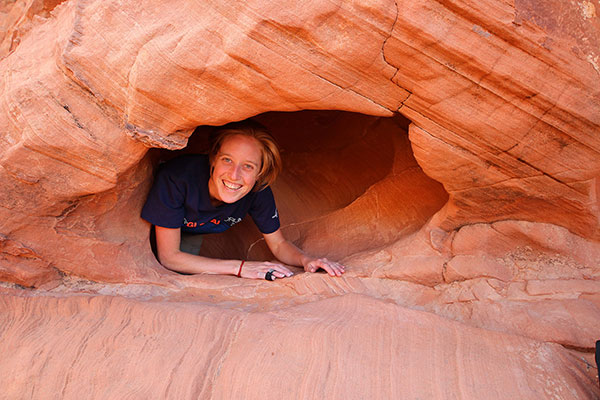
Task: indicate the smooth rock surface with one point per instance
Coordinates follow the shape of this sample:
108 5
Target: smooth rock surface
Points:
351 347
503 102
446 151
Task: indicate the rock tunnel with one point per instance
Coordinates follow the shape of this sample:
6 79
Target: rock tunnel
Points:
350 184
445 151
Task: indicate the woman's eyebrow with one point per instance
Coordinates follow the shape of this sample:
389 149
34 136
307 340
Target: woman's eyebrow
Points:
251 162
248 161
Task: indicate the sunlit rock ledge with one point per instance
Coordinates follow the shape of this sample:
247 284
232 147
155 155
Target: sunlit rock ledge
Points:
446 151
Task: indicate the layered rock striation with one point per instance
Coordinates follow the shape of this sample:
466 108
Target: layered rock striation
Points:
446 151
203 351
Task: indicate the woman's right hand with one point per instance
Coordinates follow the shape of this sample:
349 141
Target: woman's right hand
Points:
259 269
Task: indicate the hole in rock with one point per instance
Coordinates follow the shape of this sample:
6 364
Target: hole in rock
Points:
350 183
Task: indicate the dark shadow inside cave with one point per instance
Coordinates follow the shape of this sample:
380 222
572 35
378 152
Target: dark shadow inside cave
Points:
350 183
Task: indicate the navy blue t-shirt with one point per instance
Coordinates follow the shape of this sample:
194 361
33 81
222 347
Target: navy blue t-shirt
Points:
179 198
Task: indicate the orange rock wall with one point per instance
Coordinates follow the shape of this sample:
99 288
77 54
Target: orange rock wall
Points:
446 151
200 351
503 109
351 180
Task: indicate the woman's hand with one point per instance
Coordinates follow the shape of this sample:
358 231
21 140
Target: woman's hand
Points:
259 269
331 267
288 253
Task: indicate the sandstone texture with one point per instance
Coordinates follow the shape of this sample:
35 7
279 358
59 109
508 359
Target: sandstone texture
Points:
349 346
448 152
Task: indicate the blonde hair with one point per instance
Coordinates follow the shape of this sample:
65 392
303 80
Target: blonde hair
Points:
271 164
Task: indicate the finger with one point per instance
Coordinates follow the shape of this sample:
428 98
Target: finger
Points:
276 272
327 267
336 268
331 266
270 275
313 266
280 271
283 274
335 265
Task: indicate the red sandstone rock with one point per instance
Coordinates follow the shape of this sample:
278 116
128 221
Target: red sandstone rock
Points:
480 137
100 347
504 106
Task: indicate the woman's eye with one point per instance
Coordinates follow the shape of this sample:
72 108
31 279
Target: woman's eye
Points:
249 167
226 160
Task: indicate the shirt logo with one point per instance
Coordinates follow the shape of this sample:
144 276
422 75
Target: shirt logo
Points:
191 224
276 215
232 220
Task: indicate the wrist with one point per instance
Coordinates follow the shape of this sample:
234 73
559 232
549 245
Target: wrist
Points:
239 271
305 260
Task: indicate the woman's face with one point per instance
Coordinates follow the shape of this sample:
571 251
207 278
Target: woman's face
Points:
235 168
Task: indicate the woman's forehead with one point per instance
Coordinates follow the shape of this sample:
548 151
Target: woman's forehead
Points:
242 146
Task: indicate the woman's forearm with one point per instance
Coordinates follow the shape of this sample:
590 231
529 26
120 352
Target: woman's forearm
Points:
170 256
192 264
288 253
180 261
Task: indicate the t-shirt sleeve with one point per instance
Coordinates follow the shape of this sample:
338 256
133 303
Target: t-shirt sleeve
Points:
165 203
264 211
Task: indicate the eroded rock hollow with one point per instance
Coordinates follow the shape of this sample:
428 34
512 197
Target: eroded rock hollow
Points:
446 151
350 183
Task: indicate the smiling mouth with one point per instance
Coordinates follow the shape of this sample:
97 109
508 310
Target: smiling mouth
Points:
231 185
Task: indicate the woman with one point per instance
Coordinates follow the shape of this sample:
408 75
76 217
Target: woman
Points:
199 194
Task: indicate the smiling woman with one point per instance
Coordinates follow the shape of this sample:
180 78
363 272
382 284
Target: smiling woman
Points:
234 171
198 194
248 147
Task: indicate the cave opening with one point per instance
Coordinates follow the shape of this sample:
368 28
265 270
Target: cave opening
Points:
350 183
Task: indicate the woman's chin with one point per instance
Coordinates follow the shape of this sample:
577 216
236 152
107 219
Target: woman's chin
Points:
231 197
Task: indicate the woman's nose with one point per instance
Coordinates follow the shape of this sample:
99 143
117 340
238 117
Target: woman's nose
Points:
235 171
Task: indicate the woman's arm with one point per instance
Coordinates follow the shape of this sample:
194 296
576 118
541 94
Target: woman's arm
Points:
169 255
287 252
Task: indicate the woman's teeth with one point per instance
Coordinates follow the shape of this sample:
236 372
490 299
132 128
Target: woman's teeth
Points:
232 186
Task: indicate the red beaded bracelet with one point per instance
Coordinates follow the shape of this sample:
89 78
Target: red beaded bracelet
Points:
239 274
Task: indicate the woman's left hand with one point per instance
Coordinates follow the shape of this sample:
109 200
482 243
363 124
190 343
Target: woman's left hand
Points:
331 267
